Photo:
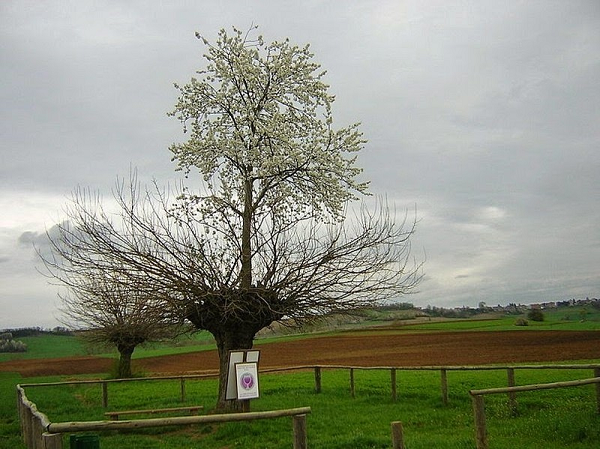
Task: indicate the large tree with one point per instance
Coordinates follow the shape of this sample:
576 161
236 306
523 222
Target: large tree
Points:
278 178
270 232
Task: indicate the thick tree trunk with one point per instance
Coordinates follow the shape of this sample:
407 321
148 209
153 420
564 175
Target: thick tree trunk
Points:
239 338
124 368
238 333
233 317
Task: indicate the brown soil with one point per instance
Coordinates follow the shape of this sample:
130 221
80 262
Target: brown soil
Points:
367 348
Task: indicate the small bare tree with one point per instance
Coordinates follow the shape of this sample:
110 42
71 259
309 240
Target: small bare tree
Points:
114 314
99 300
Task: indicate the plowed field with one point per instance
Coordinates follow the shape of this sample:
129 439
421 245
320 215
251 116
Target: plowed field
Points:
367 348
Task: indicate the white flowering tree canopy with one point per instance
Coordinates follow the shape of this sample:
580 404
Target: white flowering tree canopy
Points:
261 132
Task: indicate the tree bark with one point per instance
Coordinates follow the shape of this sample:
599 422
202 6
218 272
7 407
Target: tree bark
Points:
239 338
124 368
246 268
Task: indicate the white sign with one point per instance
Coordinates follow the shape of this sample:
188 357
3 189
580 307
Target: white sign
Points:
247 380
235 357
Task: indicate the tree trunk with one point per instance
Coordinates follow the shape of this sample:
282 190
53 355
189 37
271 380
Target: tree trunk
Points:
233 317
238 338
124 368
246 268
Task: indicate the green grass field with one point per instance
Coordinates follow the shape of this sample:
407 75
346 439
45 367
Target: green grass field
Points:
51 346
47 346
571 318
550 419
564 418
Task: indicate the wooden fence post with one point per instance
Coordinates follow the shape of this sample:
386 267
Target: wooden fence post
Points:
38 430
352 389
512 396
300 435
20 407
52 441
182 389
444 382
393 380
104 394
597 374
397 435
480 430
27 426
317 379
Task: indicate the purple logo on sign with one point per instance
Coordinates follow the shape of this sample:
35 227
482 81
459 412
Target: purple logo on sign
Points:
247 381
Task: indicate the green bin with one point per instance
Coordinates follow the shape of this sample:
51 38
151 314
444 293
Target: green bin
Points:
85 442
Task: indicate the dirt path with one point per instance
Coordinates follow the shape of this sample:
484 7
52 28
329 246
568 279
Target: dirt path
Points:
369 348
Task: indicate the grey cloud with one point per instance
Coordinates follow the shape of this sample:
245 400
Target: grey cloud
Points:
485 117
28 238
36 238
40 242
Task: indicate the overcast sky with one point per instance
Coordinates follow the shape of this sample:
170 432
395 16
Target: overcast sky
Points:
483 114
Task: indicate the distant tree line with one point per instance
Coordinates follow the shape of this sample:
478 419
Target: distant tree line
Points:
509 309
459 312
592 302
36 331
396 306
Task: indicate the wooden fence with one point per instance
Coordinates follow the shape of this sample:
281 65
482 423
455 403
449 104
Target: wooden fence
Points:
318 370
105 383
477 397
39 433
34 422
443 370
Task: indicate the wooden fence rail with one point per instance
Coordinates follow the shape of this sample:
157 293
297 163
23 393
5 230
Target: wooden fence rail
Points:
477 397
318 374
510 370
39 433
85 426
105 383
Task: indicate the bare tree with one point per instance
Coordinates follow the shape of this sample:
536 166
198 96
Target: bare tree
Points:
99 299
114 314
